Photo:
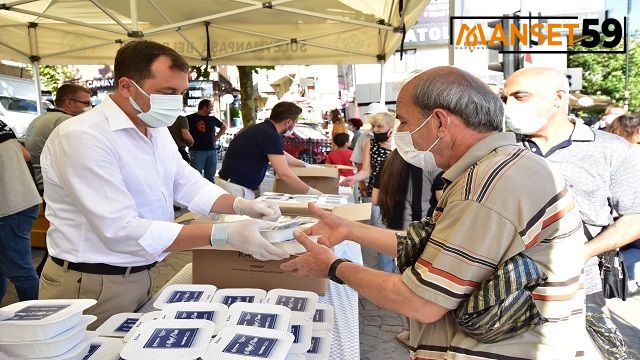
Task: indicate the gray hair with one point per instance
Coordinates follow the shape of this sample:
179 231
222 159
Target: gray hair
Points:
385 118
462 94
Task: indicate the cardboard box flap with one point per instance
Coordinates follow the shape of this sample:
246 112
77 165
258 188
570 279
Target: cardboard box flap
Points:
316 171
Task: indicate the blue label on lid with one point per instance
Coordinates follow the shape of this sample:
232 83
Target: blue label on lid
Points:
126 325
315 345
37 312
261 320
318 316
206 315
92 349
295 330
171 338
184 296
230 300
249 345
292 302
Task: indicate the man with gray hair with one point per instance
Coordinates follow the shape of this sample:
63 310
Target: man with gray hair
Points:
599 167
492 210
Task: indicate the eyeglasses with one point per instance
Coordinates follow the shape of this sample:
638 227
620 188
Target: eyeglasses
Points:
85 103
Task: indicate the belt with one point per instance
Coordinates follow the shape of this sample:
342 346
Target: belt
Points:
235 182
102 269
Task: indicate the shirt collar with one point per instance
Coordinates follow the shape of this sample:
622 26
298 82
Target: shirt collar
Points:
477 152
117 118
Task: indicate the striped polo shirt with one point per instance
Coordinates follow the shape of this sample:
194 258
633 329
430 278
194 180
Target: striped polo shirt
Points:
501 200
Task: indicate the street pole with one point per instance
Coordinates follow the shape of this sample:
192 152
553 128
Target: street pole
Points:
626 68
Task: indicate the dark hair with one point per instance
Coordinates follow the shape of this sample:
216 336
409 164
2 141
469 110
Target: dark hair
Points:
394 184
336 116
135 58
625 126
356 122
285 110
203 103
341 139
69 91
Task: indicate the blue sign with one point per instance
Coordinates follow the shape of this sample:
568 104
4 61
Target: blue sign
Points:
206 315
37 312
249 345
315 345
92 348
126 325
318 316
185 296
261 320
295 330
229 300
171 338
292 302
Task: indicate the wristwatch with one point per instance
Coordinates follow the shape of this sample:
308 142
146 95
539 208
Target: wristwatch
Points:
218 236
333 268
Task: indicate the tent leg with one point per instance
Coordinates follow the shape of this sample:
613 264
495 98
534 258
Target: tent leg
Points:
36 78
382 84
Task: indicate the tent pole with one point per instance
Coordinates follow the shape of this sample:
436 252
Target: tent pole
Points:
382 83
133 6
35 61
35 65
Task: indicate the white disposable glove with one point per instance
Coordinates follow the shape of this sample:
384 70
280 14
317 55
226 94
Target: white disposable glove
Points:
313 191
245 236
265 210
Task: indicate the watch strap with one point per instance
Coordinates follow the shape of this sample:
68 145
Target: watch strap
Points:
334 268
218 236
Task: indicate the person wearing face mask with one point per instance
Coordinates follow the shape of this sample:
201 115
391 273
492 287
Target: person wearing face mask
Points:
602 169
492 209
251 150
202 126
111 176
71 100
354 126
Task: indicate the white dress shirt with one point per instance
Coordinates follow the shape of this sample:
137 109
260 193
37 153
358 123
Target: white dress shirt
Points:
110 190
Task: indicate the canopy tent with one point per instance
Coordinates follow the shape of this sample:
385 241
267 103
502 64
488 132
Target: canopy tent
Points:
236 32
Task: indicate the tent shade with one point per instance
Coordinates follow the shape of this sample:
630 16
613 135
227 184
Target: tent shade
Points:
240 32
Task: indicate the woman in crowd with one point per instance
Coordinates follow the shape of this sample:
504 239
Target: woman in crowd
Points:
354 126
628 127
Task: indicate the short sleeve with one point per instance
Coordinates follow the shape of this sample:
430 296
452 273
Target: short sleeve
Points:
183 122
217 122
625 187
467 243
271 143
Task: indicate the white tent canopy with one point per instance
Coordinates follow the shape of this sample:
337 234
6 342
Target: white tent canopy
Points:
236 32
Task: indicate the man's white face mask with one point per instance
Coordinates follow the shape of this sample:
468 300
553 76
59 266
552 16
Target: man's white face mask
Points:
422 159
521 117
163 111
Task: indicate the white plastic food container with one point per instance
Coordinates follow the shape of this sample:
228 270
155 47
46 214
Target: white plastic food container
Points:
185 293
244 342
118 325
230 296
323 318
302 330
266 316
216 313
36 320
285 228
301 303
104 348
320 345
150 316
54 346
169 340
78 352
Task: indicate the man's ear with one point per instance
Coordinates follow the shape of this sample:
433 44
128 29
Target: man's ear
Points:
124 85
441 122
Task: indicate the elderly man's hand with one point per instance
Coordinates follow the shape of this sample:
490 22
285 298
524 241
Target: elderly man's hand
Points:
315 262
331 228
245 236
266 210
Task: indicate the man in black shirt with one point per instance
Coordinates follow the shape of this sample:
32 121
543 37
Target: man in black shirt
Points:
202 127
251 150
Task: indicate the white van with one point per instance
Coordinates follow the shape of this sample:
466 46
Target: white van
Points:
18 104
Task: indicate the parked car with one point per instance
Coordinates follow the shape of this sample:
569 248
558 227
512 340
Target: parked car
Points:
308 143
18 113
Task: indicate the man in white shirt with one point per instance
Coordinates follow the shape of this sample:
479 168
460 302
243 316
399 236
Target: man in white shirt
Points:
111 176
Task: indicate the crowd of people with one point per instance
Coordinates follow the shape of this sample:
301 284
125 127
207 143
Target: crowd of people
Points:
456 201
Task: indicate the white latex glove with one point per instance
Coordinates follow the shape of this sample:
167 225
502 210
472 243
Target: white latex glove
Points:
245 236
265 210
313 191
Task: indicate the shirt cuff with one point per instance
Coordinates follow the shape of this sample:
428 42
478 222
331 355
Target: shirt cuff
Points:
159 236
205 199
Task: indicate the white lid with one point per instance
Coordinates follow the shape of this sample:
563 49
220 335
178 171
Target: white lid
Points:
302 330
244 342
78 352
41 319
185 293
104 348
216 313
230 296
332 200
301 303
118 325
150 316
169 339
320 345
54 346
323 317
292 356
283 231
266 316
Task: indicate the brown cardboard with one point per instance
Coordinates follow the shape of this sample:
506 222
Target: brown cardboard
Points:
39 230
355 212
323 178
233 269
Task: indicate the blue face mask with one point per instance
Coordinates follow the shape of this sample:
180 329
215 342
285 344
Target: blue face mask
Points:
163 111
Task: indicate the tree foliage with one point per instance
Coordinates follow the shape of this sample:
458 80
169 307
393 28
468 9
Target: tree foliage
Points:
54 76
248 106
604 74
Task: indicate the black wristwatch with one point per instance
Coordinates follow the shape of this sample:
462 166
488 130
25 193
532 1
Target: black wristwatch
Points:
333 268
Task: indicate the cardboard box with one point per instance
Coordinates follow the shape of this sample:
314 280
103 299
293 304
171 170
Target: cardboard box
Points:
325 178
39 230
355 212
